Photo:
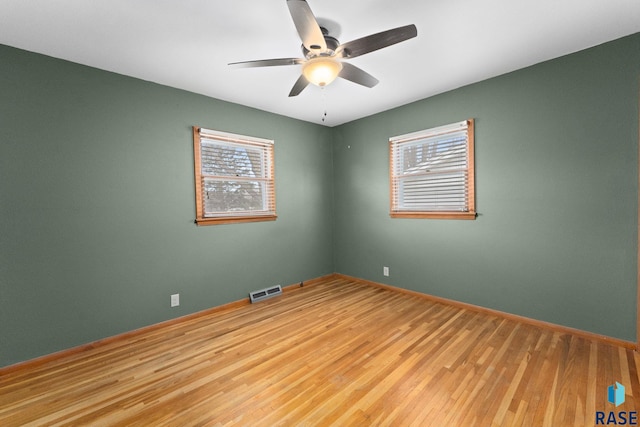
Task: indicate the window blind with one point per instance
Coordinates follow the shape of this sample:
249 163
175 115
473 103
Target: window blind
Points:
432 170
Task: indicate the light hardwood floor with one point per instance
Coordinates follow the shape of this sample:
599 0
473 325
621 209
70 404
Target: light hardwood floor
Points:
336 353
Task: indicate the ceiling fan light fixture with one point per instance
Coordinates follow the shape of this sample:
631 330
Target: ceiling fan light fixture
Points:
323 54
321 71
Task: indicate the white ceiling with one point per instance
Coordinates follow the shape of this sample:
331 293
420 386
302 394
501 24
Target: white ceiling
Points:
187 44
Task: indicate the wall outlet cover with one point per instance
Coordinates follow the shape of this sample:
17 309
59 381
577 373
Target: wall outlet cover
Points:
175 300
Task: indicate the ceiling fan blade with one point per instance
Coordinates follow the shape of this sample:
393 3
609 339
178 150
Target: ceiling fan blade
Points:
354 74
267 62
307 26
301 83
376 41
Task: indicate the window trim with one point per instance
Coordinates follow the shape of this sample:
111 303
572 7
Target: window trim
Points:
471 214
200 218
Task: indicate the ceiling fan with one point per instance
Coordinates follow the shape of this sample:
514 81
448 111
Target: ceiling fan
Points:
323 54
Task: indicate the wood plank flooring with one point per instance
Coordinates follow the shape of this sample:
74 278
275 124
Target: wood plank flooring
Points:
337 353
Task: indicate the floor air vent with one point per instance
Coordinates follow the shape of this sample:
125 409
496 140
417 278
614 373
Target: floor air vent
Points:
263 294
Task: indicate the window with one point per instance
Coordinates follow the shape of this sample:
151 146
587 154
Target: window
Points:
234 178
432 173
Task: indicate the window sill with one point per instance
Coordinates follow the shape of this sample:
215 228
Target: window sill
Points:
235 220
434 215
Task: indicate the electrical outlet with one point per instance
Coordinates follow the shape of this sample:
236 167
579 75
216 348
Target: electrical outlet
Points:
175 300
385 271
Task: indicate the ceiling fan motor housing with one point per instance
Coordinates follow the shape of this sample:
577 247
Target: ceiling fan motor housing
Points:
332 45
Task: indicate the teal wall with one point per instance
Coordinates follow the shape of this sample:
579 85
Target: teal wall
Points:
556 176
97 206
97 201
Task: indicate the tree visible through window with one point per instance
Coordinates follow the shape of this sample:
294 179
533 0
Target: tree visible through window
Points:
234 178
432 173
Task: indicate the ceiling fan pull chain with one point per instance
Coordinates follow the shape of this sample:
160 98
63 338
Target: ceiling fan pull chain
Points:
324 104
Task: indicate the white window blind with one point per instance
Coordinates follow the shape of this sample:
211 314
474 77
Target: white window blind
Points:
432 171
234 176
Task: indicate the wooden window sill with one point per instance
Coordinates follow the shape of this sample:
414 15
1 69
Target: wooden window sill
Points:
434 215
235 220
